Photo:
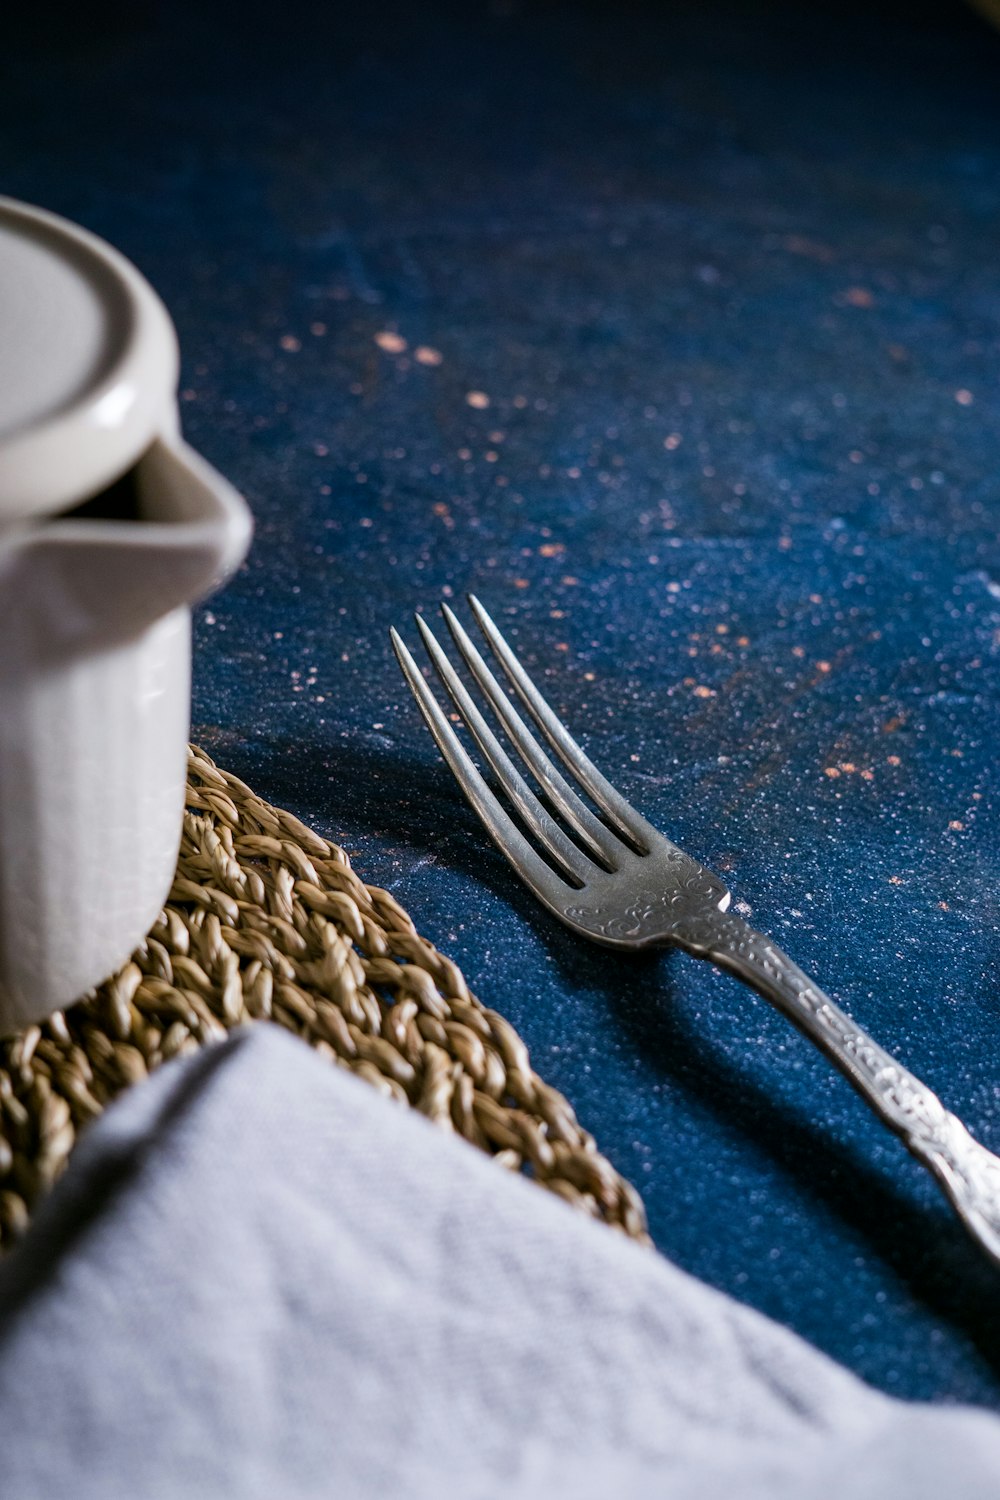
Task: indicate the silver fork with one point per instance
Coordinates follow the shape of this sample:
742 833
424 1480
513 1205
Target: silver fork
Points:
620 882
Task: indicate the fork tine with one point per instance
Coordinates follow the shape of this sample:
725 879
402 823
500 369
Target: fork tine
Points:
541 878
548 833
629 822
599 841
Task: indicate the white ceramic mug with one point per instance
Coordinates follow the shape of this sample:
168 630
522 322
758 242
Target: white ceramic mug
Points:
110 527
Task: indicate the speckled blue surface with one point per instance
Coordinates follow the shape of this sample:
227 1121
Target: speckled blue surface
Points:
727 276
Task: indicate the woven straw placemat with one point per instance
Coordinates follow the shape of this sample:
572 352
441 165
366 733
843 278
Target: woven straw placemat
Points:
268 921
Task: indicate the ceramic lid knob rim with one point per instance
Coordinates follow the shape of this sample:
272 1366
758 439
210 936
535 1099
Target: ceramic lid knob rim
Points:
62 445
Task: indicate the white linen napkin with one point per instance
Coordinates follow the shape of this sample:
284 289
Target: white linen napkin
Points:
260 1278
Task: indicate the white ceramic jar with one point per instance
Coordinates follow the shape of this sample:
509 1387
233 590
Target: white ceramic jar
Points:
110 527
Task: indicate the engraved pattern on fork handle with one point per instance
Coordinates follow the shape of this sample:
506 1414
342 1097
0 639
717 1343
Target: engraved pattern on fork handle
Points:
968 1172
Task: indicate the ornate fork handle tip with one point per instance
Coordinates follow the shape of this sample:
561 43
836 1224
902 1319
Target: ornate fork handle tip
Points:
968 1172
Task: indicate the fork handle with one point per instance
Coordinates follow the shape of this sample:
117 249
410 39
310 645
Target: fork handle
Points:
968 1173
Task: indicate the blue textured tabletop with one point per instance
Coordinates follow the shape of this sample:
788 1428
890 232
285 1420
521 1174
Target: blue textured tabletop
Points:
673 333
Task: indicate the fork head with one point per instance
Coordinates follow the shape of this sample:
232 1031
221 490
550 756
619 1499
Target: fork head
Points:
583 850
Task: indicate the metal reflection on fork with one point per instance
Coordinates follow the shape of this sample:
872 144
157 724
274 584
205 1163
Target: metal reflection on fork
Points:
612 877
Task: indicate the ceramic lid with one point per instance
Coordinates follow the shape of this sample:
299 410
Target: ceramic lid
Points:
88 363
